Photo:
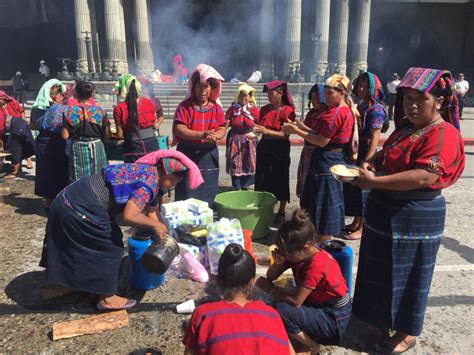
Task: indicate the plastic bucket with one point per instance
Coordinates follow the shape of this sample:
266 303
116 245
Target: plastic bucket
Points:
254 209
139 277
343 254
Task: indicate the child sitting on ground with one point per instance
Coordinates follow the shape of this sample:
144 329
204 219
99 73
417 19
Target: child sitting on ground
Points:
320 308
236 325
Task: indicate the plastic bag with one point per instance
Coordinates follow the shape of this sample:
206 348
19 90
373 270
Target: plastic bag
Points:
191 234
219 235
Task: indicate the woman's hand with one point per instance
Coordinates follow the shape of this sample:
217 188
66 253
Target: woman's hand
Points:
260 129
264 284
289 128
160 229
368 165
366 178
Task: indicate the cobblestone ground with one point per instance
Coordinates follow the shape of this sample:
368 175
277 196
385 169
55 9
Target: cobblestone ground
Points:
25 321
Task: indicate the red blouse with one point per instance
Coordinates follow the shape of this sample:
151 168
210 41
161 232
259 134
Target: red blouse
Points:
436 148
146 113
206 118
311 117
273 119
321 274
227 328
336 123
13 108
241 119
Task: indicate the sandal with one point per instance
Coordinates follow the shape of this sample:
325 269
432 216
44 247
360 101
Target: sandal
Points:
411 346
10 176
130 304
350 235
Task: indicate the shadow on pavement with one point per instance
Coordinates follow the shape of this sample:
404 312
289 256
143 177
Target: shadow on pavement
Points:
465 252
24 205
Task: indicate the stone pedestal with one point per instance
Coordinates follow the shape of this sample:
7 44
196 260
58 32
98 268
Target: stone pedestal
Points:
360 37
143 51
338 37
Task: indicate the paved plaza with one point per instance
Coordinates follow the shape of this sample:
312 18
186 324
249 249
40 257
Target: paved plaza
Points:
25 321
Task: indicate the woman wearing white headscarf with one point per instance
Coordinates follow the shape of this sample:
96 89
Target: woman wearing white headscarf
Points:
241 152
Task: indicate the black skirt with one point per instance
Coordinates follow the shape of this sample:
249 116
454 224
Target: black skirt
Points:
83 246
273 168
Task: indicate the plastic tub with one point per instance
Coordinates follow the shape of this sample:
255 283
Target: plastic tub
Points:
139 277
254 209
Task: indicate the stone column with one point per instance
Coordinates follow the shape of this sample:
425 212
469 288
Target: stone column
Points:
360 38
144 54
95 36
321 38
266 39
82 18
115 35
292 36
338 38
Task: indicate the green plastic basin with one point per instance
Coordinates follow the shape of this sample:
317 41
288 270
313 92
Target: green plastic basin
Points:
254 209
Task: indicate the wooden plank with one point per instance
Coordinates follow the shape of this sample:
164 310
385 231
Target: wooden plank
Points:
90 325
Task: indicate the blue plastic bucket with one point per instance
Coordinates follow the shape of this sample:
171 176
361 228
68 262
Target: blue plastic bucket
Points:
139 277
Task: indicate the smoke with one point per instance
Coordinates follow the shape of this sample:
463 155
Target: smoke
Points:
224 34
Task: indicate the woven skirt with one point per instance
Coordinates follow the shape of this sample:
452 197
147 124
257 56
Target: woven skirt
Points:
400 241
86 158
52 164
83 246
273 168
322 194
206 157
135 149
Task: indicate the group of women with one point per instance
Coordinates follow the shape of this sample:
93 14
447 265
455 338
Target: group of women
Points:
396 200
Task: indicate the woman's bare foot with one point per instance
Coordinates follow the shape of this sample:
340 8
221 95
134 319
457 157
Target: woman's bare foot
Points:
29 163
401 342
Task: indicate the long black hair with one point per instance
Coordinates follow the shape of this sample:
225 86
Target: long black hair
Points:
235 271
131 100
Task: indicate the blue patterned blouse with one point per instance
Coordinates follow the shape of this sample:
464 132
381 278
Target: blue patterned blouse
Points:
135 182
52 120
372 117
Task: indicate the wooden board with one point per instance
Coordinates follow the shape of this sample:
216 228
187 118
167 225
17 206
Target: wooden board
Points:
90 325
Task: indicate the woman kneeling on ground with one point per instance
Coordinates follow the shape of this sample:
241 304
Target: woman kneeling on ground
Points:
83 246
236 325
318 312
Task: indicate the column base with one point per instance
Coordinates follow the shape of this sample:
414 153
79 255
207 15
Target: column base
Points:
267 71
144 68
356 68
81 66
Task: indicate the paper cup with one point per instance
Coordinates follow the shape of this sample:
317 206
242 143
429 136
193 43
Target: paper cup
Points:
186 307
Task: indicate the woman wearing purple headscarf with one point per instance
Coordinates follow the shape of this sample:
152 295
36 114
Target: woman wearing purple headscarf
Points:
273 150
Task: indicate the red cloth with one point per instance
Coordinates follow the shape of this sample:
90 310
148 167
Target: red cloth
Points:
274 119
437 148
323 275
226 328
311 118
146 113
336 123
240 120
211 117
12 108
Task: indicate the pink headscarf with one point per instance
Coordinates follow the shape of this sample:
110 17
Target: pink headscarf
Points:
194 174
207 72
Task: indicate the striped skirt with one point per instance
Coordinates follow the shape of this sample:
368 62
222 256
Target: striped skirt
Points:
86 158
400 241
303 168
322 194
206 157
